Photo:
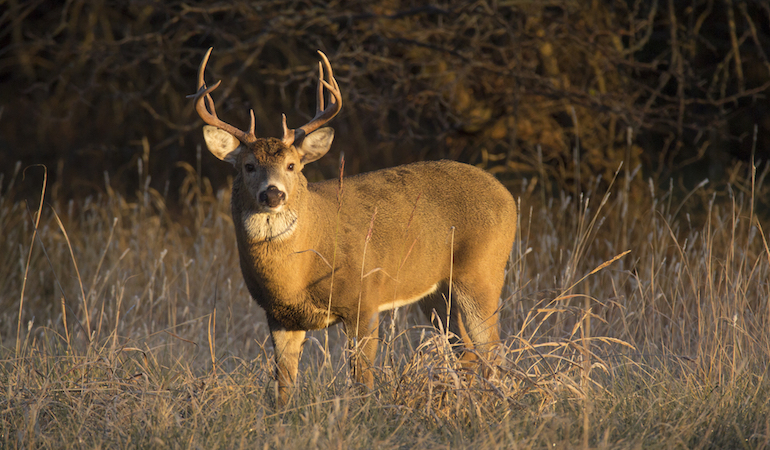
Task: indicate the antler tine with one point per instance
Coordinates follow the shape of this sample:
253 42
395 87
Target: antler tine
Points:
204 105
252 125
288 135
202 68
323 114
319 104
334 88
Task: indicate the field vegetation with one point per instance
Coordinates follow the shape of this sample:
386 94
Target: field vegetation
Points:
634 135
627 323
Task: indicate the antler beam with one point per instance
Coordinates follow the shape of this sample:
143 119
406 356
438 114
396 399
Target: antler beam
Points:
204 104
322 115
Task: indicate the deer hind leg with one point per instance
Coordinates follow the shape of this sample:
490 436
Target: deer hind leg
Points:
478 306
287 346
472 316
443 313
363 337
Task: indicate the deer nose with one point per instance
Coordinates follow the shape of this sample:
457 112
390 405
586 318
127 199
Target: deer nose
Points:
272 196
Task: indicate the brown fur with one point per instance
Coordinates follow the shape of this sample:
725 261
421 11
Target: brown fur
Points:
420 209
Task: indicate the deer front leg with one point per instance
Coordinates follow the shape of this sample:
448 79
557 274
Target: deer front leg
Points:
363 337
287 346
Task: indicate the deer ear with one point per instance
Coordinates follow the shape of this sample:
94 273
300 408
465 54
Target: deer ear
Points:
222 144
315 145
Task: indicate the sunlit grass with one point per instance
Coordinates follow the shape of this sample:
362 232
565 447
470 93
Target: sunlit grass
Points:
629 321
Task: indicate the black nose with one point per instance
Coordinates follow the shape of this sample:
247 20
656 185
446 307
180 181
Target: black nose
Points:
272 196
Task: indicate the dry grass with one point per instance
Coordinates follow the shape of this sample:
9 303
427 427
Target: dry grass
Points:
630 321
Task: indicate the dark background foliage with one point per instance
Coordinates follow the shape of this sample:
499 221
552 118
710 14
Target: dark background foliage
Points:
554 92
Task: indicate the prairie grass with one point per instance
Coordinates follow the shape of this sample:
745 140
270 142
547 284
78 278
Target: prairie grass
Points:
631 319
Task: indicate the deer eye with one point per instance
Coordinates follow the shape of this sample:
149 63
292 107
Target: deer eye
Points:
290 167
249 167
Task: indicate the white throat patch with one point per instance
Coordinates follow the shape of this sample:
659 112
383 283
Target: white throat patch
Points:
270 227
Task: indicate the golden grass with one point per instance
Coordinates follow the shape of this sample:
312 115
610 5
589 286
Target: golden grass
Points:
629 321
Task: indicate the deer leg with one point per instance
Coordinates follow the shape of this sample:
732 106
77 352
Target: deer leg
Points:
287 346
447 313
472 314
477 304
362 341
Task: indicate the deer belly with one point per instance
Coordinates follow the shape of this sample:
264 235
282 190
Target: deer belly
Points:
403 301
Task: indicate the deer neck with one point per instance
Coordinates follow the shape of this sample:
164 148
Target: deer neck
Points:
267 245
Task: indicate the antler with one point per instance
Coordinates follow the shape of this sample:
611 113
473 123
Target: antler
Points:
322 115
204 103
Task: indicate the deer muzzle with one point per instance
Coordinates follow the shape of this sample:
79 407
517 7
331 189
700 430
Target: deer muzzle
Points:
272 197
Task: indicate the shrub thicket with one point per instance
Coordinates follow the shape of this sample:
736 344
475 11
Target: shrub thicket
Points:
89 86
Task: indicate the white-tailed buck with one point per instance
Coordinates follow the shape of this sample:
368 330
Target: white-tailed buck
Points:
313 256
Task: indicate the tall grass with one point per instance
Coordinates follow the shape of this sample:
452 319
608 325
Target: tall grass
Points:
631 319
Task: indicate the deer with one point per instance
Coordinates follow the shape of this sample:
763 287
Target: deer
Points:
437 233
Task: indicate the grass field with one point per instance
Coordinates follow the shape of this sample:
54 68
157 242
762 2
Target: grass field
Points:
632 319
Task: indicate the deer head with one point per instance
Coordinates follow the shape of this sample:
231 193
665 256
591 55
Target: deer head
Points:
271 169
